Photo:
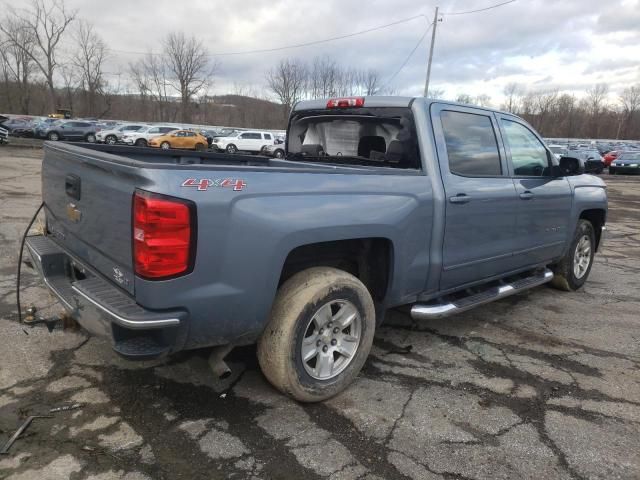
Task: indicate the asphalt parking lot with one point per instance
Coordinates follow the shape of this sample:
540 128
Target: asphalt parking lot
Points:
543 385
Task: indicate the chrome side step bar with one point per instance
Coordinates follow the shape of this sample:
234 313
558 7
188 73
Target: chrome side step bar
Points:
424 312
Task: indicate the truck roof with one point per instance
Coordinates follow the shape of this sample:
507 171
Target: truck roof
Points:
388 101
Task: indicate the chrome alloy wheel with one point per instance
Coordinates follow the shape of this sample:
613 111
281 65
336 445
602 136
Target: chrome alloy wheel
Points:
582 257
331 339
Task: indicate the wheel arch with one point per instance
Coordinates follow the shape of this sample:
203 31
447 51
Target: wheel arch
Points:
370 259
597 217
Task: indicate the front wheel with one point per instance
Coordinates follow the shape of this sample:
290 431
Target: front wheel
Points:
319 334
572 271
90 138
200 147
110 140
53 136
279 153
141 142
231 148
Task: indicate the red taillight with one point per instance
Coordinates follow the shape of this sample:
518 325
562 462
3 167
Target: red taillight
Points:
346 102
162 236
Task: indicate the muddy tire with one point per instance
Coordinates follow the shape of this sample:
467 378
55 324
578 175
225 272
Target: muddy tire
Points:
319 334
572 271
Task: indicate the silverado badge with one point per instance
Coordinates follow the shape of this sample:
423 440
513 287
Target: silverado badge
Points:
73 213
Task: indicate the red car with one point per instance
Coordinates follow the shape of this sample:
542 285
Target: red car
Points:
611 156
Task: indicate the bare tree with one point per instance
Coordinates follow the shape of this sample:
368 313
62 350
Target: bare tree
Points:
630 101
370 82
325 78
436 93
512 92
482 100
89 60
150 76
191 72
71 79
596 96
464 98
17 66
46 22
288 81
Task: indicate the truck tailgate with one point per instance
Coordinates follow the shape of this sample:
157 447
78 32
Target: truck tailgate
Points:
88 201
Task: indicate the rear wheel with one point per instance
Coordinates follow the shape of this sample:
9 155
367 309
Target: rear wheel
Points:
572 271
319 334
91 138
141 142
231 148
165 146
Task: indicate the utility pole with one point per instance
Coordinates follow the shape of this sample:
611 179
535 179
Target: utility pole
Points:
433 41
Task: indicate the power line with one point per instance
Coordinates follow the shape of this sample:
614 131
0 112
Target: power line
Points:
404 64
287 47
479 10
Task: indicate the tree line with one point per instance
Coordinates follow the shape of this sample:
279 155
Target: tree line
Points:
564 115
51 58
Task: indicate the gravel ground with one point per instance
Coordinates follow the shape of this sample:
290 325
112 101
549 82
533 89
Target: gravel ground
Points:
545 384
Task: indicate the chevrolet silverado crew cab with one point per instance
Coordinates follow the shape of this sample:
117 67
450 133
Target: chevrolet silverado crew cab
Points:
379 202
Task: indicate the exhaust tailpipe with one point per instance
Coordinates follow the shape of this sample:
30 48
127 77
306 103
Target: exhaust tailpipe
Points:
216 361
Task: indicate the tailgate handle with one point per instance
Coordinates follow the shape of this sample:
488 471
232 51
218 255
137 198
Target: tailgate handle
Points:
72 186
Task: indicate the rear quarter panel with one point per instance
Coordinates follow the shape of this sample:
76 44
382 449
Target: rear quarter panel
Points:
245 236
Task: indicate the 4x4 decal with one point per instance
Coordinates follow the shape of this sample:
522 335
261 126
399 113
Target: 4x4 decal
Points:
203 184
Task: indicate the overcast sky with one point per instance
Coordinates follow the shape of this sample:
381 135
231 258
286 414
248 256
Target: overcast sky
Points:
542 44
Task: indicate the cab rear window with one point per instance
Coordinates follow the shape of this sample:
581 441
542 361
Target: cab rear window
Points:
380 136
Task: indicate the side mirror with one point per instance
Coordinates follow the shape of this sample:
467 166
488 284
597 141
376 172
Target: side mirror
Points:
568 166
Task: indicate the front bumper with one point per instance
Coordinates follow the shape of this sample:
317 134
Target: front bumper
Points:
101 307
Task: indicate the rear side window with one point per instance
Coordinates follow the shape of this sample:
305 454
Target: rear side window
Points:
528 154
472 147
166 129
267 136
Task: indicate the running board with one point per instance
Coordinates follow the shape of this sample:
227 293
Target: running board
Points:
425 312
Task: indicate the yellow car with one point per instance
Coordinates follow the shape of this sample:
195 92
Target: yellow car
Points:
180 139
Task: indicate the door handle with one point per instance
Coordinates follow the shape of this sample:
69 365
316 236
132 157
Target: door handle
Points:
526 195
460 198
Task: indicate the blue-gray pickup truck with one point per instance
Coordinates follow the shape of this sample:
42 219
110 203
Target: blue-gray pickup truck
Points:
379 202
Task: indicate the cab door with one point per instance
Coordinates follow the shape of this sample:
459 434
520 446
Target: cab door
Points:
544 201
179 140
244 141
481 201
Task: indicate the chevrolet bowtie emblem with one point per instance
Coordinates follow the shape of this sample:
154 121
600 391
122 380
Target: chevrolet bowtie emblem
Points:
73 213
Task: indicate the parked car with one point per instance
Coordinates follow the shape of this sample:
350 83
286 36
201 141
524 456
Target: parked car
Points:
558 150
115 135
627 162
611 156
305 256
186 139
17 125
591 160
141 137
4 136
275 150
249 141
73 130
225 132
